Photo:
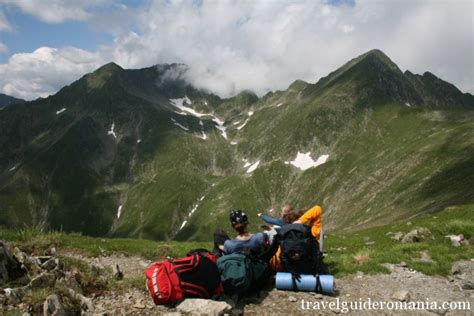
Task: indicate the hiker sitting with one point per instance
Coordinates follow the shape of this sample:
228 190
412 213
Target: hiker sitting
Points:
288 216
256 244
312 217
245 241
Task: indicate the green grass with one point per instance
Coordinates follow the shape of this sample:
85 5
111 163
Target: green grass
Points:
40 242
455 220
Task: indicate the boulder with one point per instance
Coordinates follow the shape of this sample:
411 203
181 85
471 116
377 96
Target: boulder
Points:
14 296
30 263
198 306
70 282
49 264
43 280
52 306
10 268
416 235
397 236
458 240
86 303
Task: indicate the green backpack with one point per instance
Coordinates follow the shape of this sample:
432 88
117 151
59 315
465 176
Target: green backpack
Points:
239 273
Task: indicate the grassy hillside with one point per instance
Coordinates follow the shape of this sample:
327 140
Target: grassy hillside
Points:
399 145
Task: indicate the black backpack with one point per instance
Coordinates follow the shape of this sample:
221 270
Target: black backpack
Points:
300 250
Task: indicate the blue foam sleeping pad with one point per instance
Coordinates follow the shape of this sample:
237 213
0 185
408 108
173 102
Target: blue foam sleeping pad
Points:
307 282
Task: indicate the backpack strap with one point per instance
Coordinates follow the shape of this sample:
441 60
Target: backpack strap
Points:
186 264
294 287
318 288
195 290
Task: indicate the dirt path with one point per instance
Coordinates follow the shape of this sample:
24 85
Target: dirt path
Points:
355 288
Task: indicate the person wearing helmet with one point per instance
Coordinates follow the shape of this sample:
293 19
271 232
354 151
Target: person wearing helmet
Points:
245 241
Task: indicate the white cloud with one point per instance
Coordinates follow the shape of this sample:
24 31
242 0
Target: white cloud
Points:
3 48
57 11
45 71
231 46
4 24
264 45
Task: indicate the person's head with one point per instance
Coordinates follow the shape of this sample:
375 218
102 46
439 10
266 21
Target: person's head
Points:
286 209
239 221
291 216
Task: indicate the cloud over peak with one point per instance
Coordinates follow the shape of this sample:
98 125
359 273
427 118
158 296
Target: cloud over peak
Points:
232 46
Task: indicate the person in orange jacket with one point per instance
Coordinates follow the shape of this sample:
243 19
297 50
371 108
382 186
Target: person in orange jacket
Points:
312 217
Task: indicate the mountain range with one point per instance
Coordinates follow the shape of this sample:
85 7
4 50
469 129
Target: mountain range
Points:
143 153
6 100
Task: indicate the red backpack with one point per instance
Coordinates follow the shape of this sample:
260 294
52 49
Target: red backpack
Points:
196 275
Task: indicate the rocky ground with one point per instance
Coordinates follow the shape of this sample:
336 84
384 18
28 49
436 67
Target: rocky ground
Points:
129 297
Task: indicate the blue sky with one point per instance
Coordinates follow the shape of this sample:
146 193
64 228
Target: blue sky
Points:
29 33
229 45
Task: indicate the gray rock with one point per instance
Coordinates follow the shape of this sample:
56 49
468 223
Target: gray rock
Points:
401 295
86 303
71 283
14 296
397 236
416 235
30 263
10 268
49 265
52 306
292 299
201 306
458 240
467 285
43 280
237 312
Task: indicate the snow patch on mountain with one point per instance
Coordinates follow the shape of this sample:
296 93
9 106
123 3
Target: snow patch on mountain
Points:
179 103
182 225
112 131
408 104
278 105
233 143
60 111
203 135
179 125
253 167
139 141
119 211
220 126
304 161
242 126
250 113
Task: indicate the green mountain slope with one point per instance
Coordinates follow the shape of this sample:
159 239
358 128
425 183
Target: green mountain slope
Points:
142 153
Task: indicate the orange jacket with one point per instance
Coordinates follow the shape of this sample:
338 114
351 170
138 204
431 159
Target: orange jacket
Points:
313 217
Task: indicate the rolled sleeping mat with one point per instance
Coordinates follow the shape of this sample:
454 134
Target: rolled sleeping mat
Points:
307 282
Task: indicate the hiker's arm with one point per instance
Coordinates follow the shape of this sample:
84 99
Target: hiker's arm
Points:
271 220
